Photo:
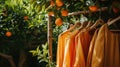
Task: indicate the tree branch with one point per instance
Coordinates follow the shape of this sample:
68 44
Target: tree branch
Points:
22 59
9 58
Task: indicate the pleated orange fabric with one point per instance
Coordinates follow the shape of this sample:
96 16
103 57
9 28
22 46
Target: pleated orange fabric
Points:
69 56
98 52
61 47
90 52
80 59
107 49
84 39
109 39
112 44
117 51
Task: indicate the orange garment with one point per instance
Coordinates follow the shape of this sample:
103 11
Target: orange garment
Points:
79 60
107 49
90 52
61 47
69 56
82 48
112 44
117 51
98 52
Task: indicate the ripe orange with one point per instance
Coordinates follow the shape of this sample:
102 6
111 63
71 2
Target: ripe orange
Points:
93 8
8 34
51 13
58 22
64 12
115 6
59 3
115 10
52 3
25 17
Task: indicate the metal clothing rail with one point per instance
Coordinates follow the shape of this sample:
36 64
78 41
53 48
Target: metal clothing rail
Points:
49 28
85 12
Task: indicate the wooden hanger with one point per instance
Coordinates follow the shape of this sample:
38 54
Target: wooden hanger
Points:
109 20
90 23
83 25
98 22
72 27
113 21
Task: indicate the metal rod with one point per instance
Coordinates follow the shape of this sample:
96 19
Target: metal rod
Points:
88 11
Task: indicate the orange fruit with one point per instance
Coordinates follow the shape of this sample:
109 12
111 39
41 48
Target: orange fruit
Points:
115 10
64 12
59 3
52 3
51 13
115 6
58 22
8 34
25 17
93 8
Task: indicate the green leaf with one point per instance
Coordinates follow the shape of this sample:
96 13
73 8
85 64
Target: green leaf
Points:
37 50
47 5
44 46
31 25
34 4
82 0
34 52
39 8
32 1
39 57
20 2
43 8
43 60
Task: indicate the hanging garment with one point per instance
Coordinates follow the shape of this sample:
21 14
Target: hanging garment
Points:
90 52
84 39
106 49
117 51
61 47
111 52
79 59
69 55
98 52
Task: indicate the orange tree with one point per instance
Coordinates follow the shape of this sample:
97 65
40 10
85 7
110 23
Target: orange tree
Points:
62 8
21 26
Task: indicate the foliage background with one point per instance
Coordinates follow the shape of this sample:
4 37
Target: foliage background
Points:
26 34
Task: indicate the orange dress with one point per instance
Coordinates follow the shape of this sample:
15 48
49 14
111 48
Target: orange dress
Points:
69 56
106 51
84 39
61 48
